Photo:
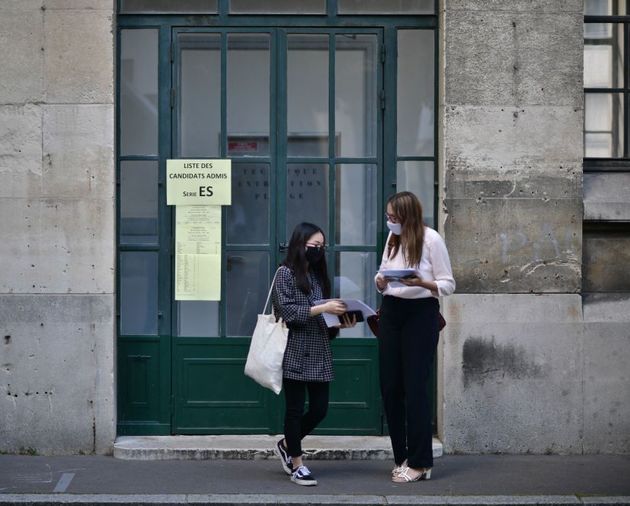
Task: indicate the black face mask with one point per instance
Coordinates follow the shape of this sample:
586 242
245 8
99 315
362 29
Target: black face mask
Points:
313 254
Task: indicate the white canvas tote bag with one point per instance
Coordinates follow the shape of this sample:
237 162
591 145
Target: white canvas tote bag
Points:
266 349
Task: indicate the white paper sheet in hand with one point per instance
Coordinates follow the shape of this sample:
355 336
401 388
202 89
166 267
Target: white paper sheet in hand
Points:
332 320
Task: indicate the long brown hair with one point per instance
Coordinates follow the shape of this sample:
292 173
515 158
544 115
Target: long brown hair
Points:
408 210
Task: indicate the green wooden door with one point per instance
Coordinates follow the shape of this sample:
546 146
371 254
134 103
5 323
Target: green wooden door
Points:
322 124
299 113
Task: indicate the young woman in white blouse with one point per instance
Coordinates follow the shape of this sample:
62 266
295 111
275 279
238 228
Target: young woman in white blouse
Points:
408 333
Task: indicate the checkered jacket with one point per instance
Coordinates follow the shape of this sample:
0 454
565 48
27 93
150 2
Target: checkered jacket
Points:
308 356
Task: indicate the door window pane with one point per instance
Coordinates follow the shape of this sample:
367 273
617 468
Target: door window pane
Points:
159 6
386 6
248 216
138 92
278 7
138 202
307 196
248 99
138 293
603 125
200 100
356 203
197 318
307 95
603 59
247 288
356 281
356 94
416 86
418 178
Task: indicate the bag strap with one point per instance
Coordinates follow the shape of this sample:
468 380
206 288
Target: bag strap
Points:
273 282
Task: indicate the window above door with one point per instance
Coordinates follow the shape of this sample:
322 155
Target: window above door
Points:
256 7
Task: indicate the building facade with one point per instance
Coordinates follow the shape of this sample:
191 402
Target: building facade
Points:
507 119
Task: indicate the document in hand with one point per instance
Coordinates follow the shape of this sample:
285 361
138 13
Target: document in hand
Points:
360 309
397 274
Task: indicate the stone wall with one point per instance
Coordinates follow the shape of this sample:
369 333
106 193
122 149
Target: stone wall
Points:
58 247
527 365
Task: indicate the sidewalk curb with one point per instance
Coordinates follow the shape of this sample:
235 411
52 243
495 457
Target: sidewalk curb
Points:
301 500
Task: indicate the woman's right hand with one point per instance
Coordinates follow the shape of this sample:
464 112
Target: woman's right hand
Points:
334 307
381 282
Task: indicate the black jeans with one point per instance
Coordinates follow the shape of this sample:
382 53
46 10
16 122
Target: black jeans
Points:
298 424
408 337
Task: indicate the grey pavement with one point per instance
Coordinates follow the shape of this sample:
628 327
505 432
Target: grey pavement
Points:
457 479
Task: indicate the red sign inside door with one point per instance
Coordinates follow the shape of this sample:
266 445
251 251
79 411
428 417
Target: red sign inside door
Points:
243 146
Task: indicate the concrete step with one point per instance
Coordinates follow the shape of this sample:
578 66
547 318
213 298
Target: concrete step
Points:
246 447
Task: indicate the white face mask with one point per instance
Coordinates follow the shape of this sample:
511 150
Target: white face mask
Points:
396 228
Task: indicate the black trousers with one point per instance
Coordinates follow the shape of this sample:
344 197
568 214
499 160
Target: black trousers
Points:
408 337
298 424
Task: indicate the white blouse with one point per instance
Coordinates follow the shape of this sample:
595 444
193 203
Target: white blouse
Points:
434 265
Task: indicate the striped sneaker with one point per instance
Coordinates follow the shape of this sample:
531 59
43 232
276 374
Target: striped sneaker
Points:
285 458
302 476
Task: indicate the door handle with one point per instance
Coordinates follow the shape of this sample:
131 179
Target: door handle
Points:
283 246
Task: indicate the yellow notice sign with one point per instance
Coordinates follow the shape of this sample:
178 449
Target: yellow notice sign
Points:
198 253
198 182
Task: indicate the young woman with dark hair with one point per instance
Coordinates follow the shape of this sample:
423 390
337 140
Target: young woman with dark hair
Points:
408 333
307 366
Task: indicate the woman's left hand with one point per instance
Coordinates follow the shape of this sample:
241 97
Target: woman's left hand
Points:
347 321
412 281
416 281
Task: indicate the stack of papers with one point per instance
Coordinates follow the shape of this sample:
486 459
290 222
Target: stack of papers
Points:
396 274
332 320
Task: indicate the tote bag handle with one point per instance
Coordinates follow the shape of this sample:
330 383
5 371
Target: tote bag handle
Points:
273 282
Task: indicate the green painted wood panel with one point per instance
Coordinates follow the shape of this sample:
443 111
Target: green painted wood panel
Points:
211 393
144 372
355 404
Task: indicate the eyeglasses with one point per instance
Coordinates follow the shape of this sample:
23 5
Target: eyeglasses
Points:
391 217
317 246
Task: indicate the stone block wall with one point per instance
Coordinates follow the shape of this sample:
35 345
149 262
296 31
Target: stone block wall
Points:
512 138
57 202
527 364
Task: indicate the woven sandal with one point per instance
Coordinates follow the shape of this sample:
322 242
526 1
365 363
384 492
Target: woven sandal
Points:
404 476
399 469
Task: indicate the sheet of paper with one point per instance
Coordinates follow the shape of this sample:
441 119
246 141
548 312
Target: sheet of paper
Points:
351 305
197 277
197 253
199 182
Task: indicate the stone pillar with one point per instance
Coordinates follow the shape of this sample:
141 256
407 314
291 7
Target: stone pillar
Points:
57 203
511 137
